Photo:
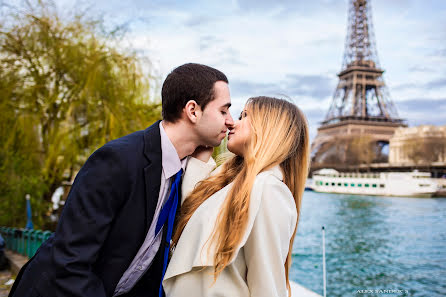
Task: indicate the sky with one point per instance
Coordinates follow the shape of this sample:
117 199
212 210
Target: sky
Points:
291 49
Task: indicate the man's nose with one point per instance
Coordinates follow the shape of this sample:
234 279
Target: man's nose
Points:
229 121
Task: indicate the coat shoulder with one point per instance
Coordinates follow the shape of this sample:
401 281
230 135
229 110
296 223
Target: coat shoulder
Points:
270 190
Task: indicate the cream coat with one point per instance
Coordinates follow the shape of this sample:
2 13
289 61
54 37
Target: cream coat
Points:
258 266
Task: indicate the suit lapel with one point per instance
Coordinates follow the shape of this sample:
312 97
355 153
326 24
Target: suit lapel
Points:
152 172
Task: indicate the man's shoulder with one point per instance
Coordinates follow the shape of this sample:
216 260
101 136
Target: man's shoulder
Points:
126 142
132 142
127 151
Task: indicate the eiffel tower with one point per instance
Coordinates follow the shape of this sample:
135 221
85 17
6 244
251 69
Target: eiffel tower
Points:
361 107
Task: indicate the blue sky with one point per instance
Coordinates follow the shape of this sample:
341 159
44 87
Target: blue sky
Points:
291 48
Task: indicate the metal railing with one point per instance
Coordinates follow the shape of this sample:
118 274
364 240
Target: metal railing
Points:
24 241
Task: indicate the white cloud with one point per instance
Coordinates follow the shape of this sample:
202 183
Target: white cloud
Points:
263 43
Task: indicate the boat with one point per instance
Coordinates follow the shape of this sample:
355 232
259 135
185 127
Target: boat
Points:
407 184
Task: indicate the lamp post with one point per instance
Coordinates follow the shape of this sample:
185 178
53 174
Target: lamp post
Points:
29 222
323 261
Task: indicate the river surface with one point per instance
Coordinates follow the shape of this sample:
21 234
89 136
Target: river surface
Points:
375 246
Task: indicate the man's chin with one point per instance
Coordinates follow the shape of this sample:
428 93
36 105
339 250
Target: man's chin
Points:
217 142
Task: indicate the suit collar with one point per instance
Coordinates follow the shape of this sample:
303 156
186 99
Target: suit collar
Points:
152 140
152 172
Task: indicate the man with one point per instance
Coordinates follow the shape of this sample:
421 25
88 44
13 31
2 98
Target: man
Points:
111 237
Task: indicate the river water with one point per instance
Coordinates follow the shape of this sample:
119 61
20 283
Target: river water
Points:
375 246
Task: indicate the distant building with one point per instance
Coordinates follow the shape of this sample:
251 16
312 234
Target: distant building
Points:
424 144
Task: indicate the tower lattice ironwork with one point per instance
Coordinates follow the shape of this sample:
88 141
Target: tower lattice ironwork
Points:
361 92
361 105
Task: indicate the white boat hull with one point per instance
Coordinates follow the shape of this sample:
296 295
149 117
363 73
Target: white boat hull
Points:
405 184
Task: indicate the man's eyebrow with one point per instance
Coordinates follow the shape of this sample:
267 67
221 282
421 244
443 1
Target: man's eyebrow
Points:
227 105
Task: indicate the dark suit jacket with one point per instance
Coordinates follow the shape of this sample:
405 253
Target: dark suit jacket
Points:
103 224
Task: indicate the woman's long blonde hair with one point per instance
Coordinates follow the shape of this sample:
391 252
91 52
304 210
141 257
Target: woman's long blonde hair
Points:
279 135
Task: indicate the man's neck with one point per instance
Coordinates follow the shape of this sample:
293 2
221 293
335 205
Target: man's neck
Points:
181 138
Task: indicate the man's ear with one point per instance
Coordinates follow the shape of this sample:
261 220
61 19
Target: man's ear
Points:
192 111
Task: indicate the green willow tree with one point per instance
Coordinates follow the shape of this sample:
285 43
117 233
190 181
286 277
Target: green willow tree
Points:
66 88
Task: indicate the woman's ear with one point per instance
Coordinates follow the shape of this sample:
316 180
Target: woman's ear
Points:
192 110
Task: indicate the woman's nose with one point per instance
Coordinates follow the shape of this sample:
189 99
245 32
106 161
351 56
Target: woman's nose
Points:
234 124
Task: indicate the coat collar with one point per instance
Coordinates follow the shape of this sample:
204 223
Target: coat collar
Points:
276 171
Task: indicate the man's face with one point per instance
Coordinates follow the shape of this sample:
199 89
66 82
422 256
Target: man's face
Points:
215 119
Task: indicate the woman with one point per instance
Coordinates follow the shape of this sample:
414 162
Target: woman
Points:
235 231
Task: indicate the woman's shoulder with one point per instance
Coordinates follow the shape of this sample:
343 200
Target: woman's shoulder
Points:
270 191
272 177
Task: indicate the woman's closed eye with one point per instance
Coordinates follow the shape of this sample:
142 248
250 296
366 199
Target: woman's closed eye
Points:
243 114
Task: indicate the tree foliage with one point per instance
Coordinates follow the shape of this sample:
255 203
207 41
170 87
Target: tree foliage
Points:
350 151
66 88
424 151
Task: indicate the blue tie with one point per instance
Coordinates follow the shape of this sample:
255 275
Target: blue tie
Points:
168 214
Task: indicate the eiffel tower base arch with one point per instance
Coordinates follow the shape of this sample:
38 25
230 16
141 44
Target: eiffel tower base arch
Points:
351 142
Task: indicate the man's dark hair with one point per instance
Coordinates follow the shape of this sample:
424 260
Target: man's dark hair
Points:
188 82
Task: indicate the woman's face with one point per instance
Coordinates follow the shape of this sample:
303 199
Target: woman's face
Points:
240 134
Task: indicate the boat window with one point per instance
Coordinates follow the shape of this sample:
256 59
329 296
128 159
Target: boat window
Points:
381 185
346 185
339 184
366 185
332 184
326 184
352 185
423 185
359 185
374 185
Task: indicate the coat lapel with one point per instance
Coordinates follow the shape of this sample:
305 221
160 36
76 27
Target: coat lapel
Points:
152 172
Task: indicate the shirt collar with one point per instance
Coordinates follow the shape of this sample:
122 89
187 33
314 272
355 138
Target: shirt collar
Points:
171 163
